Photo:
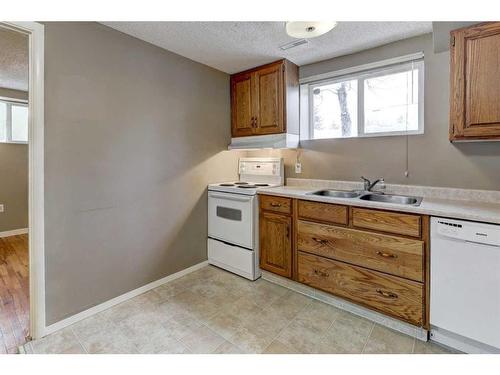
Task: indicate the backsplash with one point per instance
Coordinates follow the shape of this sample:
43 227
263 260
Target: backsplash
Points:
486 196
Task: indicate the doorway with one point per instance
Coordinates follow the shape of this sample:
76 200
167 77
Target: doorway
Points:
14 211
22 290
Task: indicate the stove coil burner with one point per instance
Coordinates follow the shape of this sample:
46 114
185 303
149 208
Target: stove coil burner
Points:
247 186
261 185
241 183
226 184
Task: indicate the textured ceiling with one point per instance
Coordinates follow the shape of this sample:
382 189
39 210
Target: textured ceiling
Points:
14 60
236 46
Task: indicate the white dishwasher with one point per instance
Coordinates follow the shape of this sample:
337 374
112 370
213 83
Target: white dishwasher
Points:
465 283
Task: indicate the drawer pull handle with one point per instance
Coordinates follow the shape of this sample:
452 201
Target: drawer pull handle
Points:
320 241
387 294
386 255
320 273
274 204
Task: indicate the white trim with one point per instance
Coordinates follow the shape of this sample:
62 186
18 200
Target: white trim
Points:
122 298
13 232
461 343
36 32
361 68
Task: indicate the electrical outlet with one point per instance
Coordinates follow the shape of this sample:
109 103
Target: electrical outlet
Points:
1 207
298 168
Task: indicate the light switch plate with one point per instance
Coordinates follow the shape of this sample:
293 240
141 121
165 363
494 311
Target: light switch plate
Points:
1 207
298 168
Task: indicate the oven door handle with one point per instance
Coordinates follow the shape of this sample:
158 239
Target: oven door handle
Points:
231 197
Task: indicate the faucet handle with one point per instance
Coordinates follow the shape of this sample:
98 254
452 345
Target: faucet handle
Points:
382 184
366 183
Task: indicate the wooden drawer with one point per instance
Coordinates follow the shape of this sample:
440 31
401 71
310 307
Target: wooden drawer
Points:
395 255
333 213
275 204
387 221
388 294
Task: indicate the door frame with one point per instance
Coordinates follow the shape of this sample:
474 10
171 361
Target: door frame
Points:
36 34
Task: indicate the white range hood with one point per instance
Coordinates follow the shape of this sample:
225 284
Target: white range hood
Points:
284 140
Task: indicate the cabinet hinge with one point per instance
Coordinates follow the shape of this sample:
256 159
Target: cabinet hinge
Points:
452 40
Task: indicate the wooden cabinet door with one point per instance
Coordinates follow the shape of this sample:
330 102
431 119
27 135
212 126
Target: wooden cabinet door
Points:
269 97
474 82
242 120
275 243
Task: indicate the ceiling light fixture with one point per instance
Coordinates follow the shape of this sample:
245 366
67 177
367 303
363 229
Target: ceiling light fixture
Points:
309 29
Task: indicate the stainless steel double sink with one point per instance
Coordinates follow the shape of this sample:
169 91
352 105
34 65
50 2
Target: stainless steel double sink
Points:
369 196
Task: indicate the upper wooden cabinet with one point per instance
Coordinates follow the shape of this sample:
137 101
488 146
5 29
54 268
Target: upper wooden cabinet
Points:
475 83
241 104
264 100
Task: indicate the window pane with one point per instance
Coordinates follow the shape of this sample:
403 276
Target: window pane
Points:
391 102
335 110
3 122
19 123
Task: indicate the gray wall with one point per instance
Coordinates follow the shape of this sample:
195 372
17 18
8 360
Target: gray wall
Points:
13 186
441 33
433 160
13 157
133 135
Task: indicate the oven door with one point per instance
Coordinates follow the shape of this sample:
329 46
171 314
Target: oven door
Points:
230 218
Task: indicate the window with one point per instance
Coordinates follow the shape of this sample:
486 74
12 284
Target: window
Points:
379 101
13 122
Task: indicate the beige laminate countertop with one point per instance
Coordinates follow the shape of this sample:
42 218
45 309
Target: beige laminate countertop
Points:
454 209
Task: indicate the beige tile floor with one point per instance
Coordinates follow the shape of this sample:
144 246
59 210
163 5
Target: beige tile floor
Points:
214 311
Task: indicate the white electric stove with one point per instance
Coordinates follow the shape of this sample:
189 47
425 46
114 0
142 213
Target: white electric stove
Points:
233 216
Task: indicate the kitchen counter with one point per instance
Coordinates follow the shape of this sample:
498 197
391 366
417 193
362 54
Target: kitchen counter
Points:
488 212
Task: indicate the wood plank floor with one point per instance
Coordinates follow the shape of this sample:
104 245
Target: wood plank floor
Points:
14 292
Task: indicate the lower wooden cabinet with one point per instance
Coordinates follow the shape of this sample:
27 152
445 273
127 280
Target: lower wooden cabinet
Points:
385 293
375 258
276 243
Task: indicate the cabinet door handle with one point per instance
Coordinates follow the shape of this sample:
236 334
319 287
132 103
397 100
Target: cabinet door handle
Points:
288 231
320 241
274 204
386 255
320 273
385 294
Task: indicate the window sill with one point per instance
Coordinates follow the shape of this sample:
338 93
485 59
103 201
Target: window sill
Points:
374 135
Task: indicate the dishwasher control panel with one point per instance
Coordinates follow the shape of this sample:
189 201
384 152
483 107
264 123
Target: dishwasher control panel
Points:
487 234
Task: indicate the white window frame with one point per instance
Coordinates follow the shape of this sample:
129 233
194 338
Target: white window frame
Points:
8 125
361 73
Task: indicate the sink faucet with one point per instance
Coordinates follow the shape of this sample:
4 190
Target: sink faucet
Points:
368 185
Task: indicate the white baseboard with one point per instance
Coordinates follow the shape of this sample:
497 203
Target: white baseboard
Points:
13 232
122 298
461 343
